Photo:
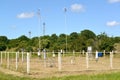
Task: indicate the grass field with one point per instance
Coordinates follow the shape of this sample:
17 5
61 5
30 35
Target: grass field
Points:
103 76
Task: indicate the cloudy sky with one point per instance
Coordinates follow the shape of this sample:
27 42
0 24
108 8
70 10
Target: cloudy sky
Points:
18 17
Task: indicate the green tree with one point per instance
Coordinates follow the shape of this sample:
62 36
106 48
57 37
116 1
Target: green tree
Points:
88 39
105 42
61 43
53 42
3 43
73 41
45 42
87 34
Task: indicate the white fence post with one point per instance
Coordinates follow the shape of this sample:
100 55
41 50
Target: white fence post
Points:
111 60
45 55
22 56
53 54
8 62
96 56
104 53
73 53
16 60
1 58
87 60
5 56
59 61
28 63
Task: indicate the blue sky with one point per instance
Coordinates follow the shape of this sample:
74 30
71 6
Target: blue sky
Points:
18 17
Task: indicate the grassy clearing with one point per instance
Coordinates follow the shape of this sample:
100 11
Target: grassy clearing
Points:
107 76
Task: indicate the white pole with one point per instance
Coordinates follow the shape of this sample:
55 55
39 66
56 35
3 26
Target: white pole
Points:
87 60
53 54
44 52
39 28
22 56
111 60
73 53
5 55
96 56
28 63
104 53
8 64
59 61
65 10
16 60
18 55
1 58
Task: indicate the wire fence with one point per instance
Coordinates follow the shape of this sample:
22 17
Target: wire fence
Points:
49 62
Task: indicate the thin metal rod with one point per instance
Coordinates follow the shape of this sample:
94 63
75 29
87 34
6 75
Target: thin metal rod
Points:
65 10
39 26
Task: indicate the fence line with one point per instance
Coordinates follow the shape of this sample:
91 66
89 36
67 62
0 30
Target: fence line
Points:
30 62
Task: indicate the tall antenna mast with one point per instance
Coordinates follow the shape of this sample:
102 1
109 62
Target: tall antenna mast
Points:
38 13
29 34
65 10
44 29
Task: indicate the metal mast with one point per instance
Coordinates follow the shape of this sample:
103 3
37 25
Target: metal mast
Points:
38 13
44 29
65 10
29 34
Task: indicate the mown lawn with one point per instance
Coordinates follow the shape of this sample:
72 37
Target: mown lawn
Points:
108 76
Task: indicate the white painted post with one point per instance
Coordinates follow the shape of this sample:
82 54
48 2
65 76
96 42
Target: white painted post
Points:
22 56
18 55
73 57
104 53
87 60
61 51
96 56
44 52
59 61
8 62
5 55
16 60
53 54
28 63
1 58
111 60
73 53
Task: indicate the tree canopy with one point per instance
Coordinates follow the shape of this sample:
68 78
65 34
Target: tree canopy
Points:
75 41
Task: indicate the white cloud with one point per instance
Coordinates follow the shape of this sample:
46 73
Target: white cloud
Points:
25 15
77 8
112 23
113 1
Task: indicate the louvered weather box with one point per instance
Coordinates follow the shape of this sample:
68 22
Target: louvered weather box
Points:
100 54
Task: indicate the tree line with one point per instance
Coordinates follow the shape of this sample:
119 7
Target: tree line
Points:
75 41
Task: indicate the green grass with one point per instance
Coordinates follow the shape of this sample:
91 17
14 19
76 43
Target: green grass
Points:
110 76
11 77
